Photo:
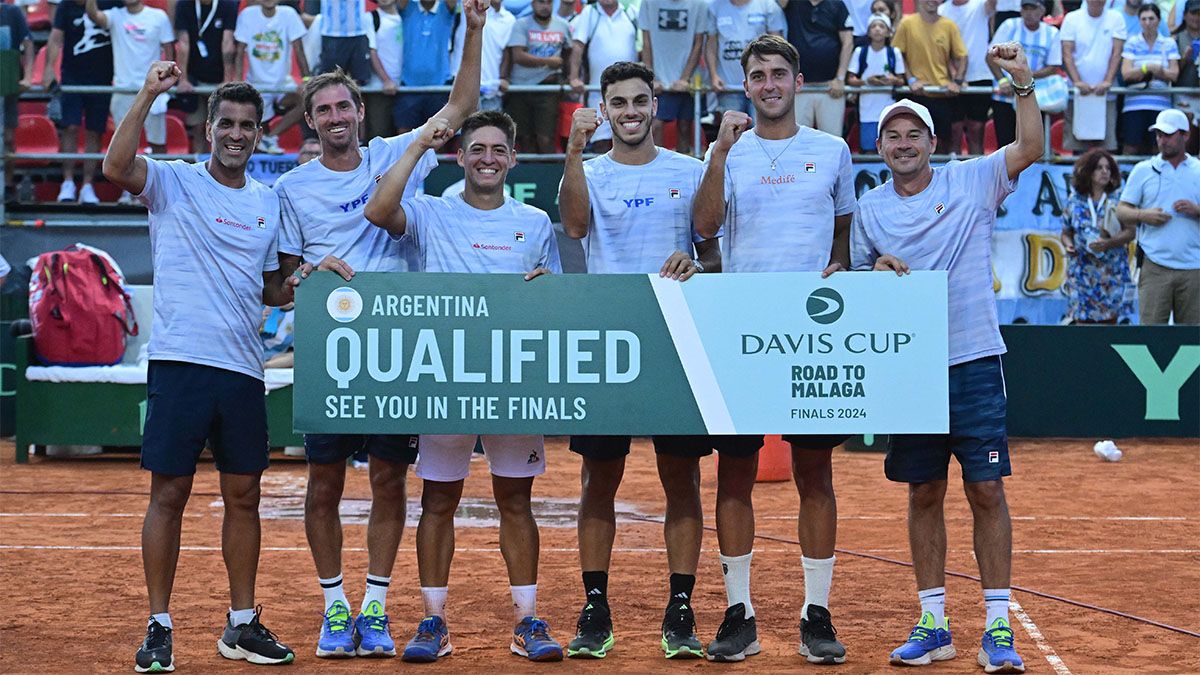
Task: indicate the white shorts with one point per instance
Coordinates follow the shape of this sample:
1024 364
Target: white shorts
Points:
821 111
447 459
156 124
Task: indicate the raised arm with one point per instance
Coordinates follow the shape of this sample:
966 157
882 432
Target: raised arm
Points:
122 165
464 96
574 204
384 209
93 11
708 208
1028 147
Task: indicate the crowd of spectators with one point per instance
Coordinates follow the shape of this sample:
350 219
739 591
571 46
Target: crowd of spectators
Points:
935 50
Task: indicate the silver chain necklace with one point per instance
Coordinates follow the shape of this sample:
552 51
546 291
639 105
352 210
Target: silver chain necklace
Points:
774 160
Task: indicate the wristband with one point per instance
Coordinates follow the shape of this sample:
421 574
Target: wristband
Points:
912 81
1144 69
1003 80
698 265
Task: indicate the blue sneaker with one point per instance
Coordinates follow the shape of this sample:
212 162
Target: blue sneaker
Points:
337 635
996 654
431 642
927 643
374 638
531 639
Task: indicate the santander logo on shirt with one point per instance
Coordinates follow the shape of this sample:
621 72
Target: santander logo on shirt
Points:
492 247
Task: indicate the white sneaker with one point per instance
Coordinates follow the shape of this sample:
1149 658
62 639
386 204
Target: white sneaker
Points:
270 145
87 194
126 198
66 193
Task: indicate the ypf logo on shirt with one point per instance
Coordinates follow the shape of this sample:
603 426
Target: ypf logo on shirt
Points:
344 304
824 306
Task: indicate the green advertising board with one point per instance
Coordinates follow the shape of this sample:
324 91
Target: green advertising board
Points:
621 354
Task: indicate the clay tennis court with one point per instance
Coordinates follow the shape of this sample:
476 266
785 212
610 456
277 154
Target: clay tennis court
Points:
1122 536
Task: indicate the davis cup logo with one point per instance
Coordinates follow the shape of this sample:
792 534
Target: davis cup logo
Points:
824 305
344 304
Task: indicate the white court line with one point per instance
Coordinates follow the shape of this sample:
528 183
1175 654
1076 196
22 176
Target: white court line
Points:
1053 658
571 549
902 518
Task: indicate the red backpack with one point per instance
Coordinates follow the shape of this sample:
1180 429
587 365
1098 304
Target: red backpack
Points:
80 310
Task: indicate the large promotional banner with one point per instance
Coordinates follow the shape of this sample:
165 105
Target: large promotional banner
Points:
622 354
1028 260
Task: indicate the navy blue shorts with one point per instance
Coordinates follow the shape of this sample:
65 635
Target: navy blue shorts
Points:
674 105
88 110
188 404
1135 127
814 441
334 448
605 448
413 110
352 54
978 435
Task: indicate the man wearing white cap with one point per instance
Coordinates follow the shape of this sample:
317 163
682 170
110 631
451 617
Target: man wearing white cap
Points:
1162 197
942 219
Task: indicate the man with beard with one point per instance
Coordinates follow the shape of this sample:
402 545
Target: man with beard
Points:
785 194
942 219
446 232
212 238
322 204
620 239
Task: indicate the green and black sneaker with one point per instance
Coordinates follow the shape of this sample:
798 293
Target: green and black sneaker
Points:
155 655
593 633
679 639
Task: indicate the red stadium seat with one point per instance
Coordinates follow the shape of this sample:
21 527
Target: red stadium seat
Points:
35 134
1056 138
670 135
158 4
38 15
179 142
31 108
291 140
566 112
107 138
852 138
39 66
989 137
107 192
46 191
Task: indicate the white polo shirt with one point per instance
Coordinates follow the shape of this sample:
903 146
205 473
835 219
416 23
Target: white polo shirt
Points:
1155 183
781 220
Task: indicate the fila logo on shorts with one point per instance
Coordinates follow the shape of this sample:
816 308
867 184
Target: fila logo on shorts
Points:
994 457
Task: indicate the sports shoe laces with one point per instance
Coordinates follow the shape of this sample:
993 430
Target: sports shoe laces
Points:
1002 636
539 629
821 628
920 634
259 631
427 630
679 618
376 622
338 621
156 636
588 619
730 627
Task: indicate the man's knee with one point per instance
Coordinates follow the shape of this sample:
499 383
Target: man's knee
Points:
601 478
325 484
986 495
170 494
680 477
813 472
388 479
513 496
241 493
440 500
926 496
736 476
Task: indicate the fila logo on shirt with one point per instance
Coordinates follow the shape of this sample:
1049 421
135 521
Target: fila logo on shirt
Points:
675 193
519 236
262 223
810 167
941 206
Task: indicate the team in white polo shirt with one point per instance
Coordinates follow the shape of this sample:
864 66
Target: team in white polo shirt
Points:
785 195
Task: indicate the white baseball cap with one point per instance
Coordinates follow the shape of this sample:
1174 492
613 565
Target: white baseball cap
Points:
881 18
905 106
1170 121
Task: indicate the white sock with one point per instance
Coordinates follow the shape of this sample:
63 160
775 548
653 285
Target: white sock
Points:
163 620
332 588
237 617
933 600
996 600
435 600
377 588
818 578
524 601
737 580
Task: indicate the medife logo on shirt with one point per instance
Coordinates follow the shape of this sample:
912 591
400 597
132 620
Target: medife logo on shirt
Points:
344 304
